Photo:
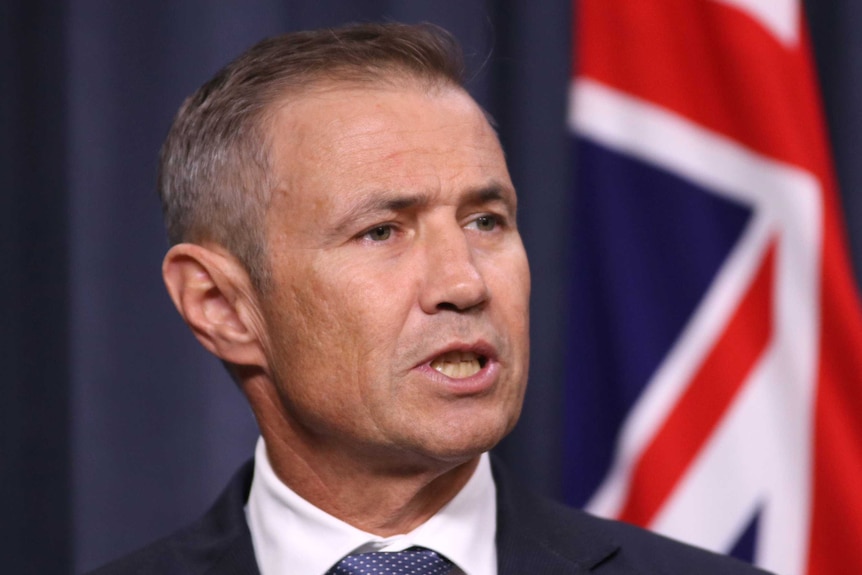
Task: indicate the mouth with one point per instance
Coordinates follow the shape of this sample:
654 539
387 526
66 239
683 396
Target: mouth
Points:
459 364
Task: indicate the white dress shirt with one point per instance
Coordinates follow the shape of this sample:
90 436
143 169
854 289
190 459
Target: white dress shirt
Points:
290 535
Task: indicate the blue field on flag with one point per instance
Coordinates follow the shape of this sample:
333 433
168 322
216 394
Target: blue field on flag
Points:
648 244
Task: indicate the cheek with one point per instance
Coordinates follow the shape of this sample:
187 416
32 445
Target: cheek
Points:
314 359
510 276
377 295
337 361
337 323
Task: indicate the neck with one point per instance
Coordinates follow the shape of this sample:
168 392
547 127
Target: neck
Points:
378 493
384 500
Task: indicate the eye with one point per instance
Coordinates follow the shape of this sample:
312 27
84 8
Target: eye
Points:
378 234
485 223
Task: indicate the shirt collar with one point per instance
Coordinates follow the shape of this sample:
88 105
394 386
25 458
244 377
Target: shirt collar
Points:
290 535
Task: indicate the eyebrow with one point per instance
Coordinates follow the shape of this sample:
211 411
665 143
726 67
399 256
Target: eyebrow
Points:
493 192
396 202
384 202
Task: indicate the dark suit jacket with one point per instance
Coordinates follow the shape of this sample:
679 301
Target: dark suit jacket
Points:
534 536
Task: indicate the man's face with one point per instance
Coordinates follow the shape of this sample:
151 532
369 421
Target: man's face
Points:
397 322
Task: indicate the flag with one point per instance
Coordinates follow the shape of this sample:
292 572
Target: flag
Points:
715 355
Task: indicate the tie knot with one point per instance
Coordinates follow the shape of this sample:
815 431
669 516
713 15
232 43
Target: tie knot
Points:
412 561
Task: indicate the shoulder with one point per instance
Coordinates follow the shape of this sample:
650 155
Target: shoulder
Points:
642 548
538 534
218 542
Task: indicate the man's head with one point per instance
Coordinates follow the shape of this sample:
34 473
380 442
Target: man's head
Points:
390 326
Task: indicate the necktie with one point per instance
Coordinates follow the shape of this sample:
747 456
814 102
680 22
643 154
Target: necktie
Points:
412 561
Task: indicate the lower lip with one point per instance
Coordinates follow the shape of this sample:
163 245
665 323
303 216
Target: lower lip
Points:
480 382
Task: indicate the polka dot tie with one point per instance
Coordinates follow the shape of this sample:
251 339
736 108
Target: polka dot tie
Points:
412 561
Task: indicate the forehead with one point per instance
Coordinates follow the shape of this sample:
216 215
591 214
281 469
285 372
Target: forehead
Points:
336 142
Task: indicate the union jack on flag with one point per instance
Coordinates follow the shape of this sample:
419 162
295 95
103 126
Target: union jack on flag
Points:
716 333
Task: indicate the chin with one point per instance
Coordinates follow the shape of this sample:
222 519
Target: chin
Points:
461 445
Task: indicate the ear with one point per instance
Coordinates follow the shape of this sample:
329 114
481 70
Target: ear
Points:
213 293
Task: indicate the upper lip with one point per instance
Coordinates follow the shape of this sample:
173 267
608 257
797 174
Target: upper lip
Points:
480 347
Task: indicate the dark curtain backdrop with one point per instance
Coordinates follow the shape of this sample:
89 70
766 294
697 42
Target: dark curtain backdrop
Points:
116 426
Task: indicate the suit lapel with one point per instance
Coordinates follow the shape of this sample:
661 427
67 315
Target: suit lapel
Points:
536 535
220 543
238 559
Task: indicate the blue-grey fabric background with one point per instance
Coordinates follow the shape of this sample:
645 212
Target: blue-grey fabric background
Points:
115 427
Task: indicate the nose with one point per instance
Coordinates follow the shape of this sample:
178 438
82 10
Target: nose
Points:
452 280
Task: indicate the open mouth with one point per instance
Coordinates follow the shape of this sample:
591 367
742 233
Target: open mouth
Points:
459 364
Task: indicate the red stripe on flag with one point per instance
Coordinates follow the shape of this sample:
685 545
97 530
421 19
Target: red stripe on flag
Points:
708 62
836 522
704 402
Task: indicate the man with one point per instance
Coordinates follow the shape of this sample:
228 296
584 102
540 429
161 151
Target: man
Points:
345 241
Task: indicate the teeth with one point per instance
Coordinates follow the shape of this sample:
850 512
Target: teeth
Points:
457 364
